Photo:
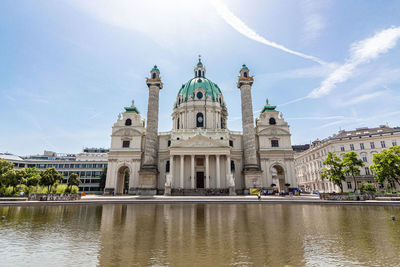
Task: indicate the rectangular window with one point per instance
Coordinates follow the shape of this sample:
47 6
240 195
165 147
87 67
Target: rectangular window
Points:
342 148
362 146
394 143
90 166
351 147
372 145
274 143
98 166
364 158
77 166
83 166
66 166
367 172
125 143
383 145
231 143
348 185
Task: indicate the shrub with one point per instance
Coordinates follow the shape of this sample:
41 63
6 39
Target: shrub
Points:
368 188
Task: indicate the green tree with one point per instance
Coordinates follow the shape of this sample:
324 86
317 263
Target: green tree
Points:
73 180
334 171
49 178
368 188
386 165
5 166
352 164
32 176
103 177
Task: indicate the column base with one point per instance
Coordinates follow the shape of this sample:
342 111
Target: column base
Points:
252 178
147 181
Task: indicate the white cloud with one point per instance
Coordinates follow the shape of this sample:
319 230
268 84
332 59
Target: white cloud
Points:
242 28
168 23
360 52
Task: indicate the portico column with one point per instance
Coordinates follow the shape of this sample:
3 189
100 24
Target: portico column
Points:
228 169
171 165
207 173
218 172
182 161
192 172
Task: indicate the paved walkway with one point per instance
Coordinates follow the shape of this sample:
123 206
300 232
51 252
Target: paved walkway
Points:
96 199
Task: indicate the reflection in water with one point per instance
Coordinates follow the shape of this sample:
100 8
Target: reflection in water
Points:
200 235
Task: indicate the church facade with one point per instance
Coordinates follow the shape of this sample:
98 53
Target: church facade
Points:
200 155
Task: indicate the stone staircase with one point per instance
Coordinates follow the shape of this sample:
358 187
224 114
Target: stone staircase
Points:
199 192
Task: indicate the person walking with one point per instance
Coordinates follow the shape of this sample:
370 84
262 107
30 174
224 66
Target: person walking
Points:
259 195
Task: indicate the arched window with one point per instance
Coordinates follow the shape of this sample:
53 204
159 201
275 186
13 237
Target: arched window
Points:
128 122
169 143
167 166
245 74
199 73
232 165
272 121
154 75
199 120
177 126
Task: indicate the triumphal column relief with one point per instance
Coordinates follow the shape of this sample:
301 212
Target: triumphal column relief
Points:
251 168
148 172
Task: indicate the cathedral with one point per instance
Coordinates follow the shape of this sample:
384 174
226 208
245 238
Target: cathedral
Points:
200 155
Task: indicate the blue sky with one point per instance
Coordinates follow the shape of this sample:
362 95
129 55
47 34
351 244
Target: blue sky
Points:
69 67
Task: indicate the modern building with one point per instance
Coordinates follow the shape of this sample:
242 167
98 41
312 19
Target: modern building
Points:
88 165
364 141
200 155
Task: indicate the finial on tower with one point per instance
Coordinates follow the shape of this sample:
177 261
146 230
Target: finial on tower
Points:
199 58
133 103
267 102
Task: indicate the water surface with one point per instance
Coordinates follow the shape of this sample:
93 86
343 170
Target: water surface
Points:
200 235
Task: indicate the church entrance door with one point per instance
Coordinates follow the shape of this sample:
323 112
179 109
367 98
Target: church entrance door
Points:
200 180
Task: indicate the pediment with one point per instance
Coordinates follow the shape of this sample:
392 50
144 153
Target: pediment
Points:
199 142
127 132
274 131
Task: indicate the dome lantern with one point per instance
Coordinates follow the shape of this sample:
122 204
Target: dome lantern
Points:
199 70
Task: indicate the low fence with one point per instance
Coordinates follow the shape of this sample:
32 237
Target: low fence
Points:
54 197
346 196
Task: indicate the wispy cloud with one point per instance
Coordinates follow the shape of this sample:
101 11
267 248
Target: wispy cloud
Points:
318 118
314 21
360 52
242 28
365 97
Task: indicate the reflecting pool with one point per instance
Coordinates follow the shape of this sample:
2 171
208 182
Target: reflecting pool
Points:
200 235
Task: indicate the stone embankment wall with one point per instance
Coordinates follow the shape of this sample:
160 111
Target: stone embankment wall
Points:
344 196
54 197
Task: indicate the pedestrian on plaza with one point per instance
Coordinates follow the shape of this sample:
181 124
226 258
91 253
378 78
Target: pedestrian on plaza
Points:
259 195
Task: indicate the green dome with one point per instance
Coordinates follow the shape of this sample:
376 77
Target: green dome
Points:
208 86
155 68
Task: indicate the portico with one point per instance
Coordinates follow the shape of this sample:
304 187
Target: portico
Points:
187 168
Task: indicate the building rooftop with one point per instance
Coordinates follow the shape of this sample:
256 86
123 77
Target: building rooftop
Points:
382 129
